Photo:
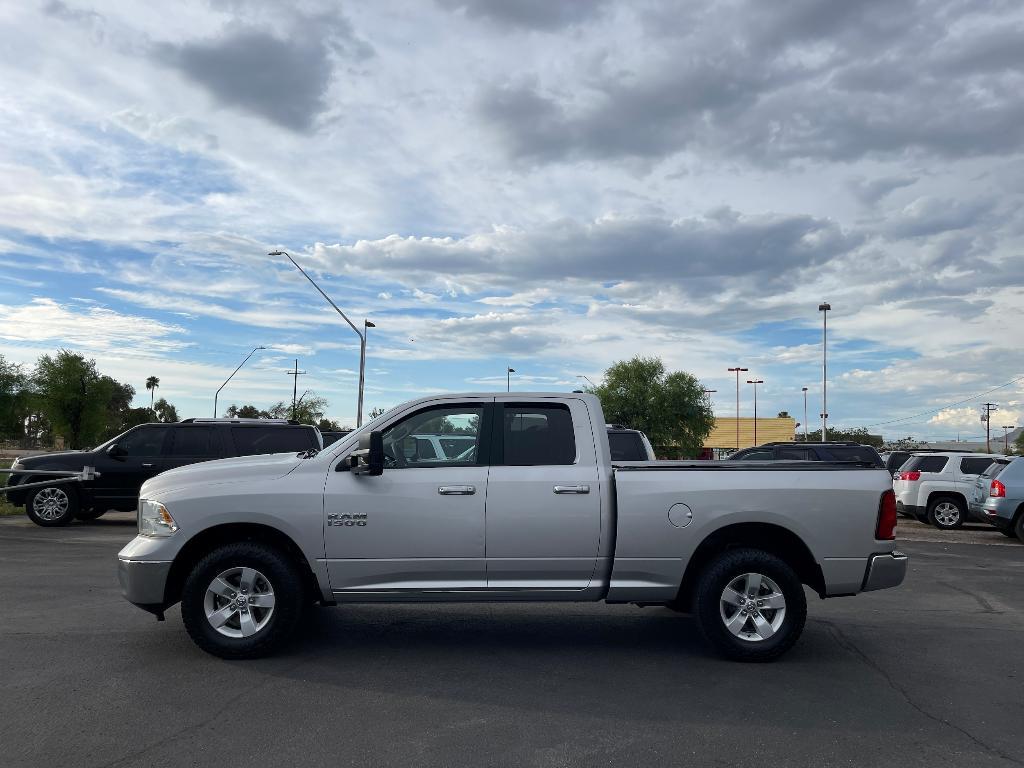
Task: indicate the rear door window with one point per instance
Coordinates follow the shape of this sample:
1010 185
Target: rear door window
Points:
993 469
925 464
972 466
855 453
254 440
626 446
537 435
196 442
794 454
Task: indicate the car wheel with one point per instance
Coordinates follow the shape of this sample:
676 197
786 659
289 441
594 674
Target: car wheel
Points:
89 514
1018 527
946 513
750 605
242 601
1010 532
52 505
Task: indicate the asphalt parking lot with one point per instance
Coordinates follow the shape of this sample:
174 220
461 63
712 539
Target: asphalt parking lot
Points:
928 674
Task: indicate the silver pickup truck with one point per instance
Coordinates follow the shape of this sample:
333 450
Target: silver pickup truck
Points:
517 499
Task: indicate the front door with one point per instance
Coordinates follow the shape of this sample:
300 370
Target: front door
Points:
419 527
121 476
543 498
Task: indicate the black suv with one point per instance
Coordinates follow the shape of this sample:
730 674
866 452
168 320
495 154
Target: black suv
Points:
125 462
629 444
810 452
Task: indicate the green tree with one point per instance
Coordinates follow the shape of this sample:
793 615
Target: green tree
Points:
76 400
245 412
151 384
671 408
164 411
15 400
329 425
1018 444
376 412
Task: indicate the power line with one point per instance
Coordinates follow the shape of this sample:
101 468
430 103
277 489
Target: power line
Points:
944 407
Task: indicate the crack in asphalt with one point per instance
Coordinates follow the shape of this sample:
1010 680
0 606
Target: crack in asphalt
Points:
985 604
846 643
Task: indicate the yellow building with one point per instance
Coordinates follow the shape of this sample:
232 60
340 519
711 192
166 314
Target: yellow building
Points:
723 434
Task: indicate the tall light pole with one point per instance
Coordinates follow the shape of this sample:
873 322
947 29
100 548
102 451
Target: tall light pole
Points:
587 378
804 390
508 379
360 334
824 308
755 382
1006 441
737 371
217 393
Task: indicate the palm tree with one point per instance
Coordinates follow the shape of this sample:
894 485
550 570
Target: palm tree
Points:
151 384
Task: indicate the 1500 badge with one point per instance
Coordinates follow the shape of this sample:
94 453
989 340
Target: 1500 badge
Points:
357 519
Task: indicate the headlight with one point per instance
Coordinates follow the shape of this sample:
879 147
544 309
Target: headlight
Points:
154 519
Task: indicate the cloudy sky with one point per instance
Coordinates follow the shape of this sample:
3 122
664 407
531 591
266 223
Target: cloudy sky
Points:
551 186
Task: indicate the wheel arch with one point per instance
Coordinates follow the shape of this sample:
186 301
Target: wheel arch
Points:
769 537
230 533
934 496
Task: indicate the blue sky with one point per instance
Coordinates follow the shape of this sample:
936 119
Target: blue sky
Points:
547 186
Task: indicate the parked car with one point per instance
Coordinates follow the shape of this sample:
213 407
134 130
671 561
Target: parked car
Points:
1004 507
982 486
810 452
933 487
125 462
629 444
894 460
539 512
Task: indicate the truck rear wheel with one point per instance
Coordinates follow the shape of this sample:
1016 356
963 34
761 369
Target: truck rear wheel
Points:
242 601
51 505
750 605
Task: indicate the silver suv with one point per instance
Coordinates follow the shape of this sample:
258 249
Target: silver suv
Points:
935 487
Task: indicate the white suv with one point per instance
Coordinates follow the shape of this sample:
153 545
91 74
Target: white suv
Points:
935 487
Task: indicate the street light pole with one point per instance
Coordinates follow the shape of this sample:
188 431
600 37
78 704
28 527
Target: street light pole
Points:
217 394
587 378
1006 433
360 334
737 370
755 382
824 308
804 389
508 379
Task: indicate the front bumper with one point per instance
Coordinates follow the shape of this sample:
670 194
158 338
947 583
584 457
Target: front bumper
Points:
885 571
143 582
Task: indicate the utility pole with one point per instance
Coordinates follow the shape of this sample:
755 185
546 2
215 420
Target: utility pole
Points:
295 386
737 371
755 382
1006 439
805 413
987 418
824 308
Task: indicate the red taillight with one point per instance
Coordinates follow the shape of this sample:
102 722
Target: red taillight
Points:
997 490
886 528
912 475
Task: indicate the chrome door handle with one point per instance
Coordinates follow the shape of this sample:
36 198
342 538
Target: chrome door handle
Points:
147 465
572 489
457 490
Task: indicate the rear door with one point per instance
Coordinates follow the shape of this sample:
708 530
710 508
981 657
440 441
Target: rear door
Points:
543 498
789 453
193 443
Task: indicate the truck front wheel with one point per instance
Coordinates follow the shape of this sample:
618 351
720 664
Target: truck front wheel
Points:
750 605
242 601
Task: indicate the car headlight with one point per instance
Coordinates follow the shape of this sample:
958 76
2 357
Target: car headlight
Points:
154 519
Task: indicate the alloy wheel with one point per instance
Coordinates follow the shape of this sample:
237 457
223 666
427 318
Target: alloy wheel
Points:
239 602
947 513
50 503
752 607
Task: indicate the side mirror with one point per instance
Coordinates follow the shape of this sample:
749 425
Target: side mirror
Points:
369 458
116 451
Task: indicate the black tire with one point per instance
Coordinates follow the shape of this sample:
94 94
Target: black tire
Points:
279 573
51 506
1018 526
943 505
1008 532
89 514
722 572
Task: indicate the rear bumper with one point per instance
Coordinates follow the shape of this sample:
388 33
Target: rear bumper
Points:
143 582
885 571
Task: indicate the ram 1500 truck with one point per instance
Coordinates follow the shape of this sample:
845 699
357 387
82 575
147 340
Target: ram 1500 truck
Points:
533 510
